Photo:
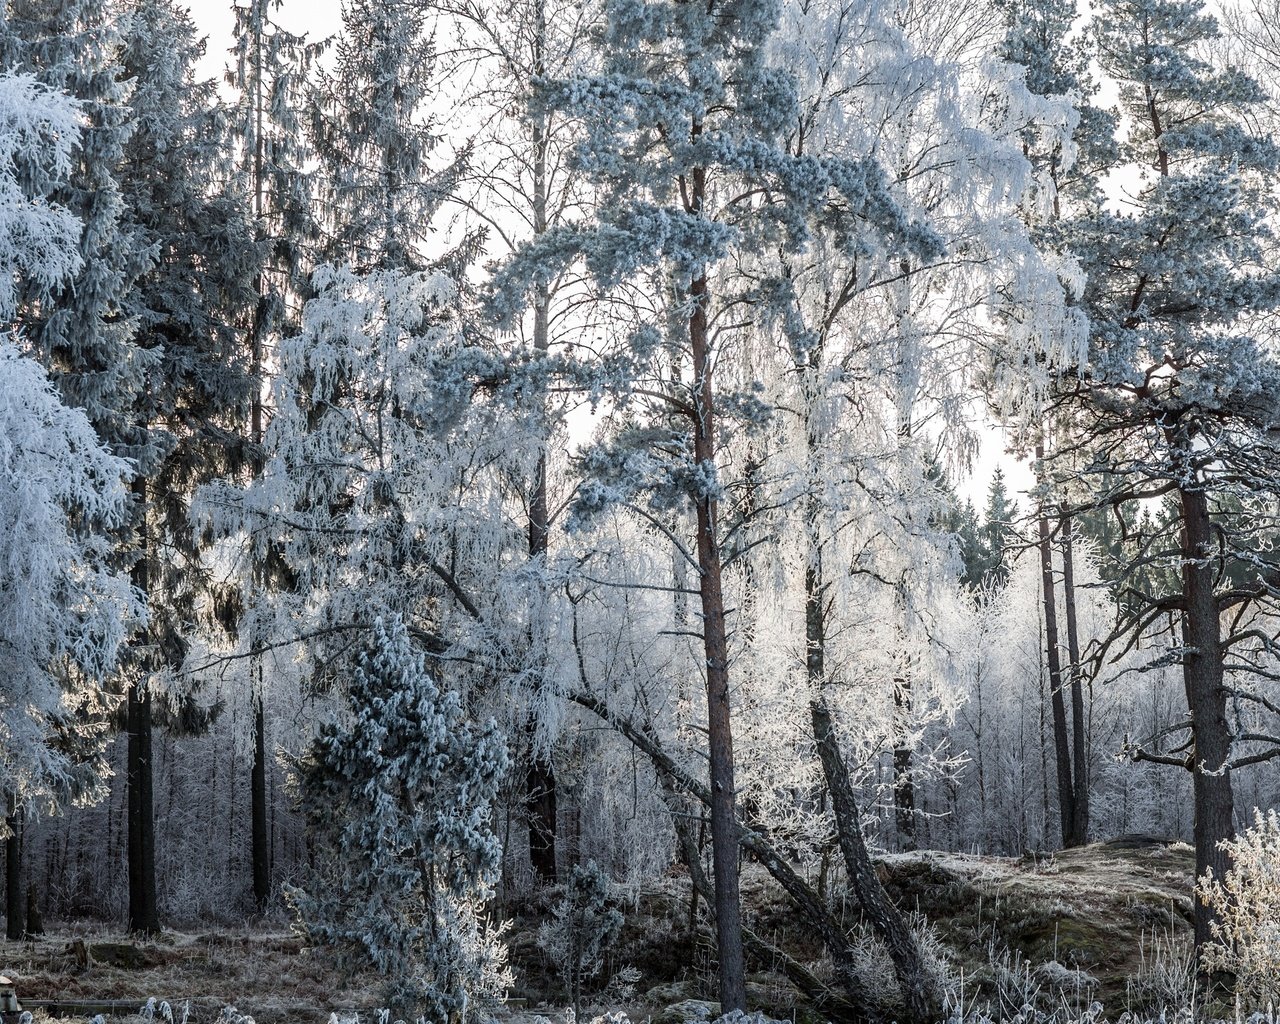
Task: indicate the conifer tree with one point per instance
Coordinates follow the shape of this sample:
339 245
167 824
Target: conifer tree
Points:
269 75
1179 395
400 796
188 308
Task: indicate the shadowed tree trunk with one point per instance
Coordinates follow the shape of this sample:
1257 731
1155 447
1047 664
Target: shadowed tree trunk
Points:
143 915
14 907
1057 700
1206 699
1079 737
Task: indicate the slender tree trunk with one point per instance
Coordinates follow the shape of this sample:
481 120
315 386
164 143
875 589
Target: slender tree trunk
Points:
14 907
260 840
143 916
919 989
540 788
724 842
1206 700
904 790
1079 732
1061 741
259 837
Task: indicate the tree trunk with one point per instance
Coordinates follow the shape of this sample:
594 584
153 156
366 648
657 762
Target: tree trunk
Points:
1061 742
14 907
35 922
540 792
904 790
921 999
724 842
143 916
1079 733
1206 700
260 840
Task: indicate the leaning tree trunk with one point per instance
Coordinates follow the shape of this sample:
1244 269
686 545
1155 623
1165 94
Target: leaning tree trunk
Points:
1079 737
1202 675
14 896
724 840
922 1001
1061 741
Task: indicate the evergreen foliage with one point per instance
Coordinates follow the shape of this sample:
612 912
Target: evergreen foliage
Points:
400 794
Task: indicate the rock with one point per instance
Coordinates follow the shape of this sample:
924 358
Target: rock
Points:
687 1010
671 992
124 954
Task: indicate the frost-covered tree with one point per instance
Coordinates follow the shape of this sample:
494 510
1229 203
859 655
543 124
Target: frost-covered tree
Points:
373 133
65 605
79 328
683 131
521 183
187 308
1178 395
400 792
269 75
584 923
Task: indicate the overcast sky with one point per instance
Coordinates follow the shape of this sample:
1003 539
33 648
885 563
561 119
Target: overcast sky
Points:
318 18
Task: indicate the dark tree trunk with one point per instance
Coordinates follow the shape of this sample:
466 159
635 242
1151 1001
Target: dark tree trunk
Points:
1206 700
35 922
540 792
143 916
724 841
1061 740
1079 734
921 998
14 907
260 840
904 790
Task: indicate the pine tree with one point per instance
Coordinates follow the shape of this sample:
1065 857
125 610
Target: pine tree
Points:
400 794
684 130
1178 397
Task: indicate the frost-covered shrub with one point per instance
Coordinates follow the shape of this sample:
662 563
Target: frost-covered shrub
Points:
1246 908
399 797
584 924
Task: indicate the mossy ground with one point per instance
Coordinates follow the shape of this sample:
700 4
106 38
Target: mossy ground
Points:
1098 909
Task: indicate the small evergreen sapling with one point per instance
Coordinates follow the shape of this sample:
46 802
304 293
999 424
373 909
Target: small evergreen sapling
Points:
400 796
585 923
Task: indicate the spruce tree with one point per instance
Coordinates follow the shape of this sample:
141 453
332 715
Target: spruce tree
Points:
399 794
188 308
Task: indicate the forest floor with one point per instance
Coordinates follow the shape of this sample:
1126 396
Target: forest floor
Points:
1101 912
